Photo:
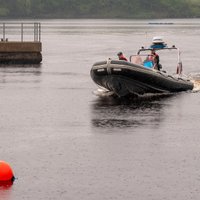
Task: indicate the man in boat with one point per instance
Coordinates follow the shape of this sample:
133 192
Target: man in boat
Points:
121 56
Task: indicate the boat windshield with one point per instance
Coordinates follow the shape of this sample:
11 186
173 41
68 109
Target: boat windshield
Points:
144 59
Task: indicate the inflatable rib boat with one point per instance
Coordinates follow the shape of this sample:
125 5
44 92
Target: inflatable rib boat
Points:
138 76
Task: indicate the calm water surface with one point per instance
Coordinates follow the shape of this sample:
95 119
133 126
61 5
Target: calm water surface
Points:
63 142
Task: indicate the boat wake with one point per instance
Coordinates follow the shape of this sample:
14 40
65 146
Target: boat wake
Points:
195 78
109 97
196 85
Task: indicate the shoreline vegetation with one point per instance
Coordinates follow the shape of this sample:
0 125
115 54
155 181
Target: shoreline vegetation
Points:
95 9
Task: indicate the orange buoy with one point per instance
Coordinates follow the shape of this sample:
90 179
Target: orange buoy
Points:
6 173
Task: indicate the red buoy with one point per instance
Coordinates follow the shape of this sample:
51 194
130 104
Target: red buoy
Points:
6 173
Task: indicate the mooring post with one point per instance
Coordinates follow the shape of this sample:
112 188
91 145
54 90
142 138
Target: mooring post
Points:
22 32
39 32
4 32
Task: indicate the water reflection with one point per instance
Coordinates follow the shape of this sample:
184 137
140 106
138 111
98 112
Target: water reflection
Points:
129 113
6 185
5 190
117 123
20 73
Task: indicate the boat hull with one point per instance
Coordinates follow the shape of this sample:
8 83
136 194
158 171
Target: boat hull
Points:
124 78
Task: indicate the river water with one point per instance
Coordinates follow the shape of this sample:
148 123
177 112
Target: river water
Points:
63 142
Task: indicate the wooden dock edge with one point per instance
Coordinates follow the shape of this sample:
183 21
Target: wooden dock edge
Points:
20 52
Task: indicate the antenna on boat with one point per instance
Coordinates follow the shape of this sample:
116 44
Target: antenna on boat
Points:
145 38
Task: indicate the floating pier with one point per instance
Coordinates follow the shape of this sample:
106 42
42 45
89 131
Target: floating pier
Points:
20 43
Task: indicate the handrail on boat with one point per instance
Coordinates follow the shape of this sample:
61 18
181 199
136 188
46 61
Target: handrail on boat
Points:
150 49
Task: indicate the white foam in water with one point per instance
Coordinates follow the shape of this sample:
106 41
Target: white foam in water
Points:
196 85
195 78
102 92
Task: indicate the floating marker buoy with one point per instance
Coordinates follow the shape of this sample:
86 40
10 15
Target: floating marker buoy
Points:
6 173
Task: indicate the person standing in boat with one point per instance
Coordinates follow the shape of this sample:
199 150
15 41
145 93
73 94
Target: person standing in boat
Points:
121 56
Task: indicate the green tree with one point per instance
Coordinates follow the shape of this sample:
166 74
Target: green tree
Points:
99 9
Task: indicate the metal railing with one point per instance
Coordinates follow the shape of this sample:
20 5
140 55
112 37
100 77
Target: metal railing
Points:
20 32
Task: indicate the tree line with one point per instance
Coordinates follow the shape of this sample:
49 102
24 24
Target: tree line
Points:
99 9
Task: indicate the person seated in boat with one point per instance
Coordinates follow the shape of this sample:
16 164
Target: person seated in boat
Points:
148 62
156 60
121 56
